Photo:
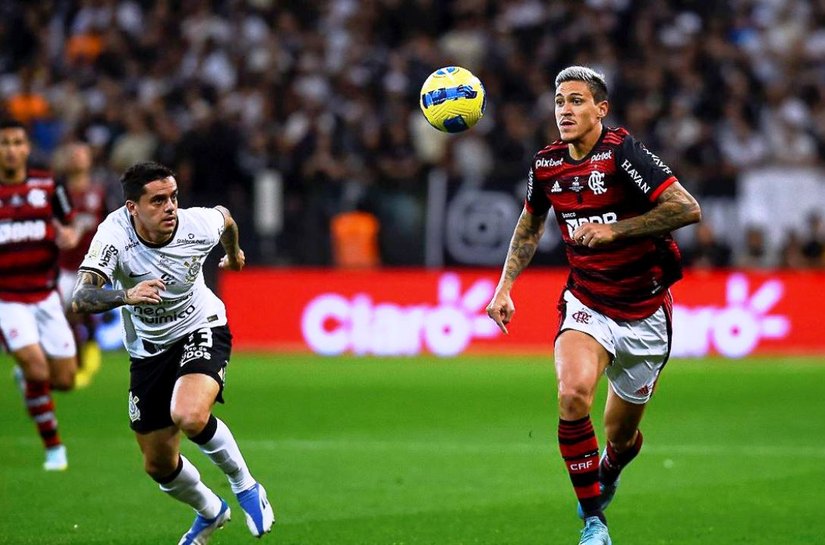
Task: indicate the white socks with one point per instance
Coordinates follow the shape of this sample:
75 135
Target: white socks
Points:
224 453
188 488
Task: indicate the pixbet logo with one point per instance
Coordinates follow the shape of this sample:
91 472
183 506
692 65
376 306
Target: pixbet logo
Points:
332 324
734 330
545 163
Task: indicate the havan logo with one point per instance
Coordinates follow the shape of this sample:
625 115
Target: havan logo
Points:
637 178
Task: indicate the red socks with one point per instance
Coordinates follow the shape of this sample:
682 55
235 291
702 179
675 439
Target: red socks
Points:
614 462
580 450
41 408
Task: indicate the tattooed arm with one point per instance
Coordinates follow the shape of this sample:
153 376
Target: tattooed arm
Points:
234 259
90 296
523 246
674 208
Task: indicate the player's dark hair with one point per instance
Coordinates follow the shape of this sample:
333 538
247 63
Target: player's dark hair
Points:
138 175
594 80
11 124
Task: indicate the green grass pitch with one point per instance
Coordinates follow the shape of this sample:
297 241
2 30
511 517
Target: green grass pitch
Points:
425 451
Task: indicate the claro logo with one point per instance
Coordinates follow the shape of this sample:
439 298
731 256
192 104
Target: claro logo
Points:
333 324
735 329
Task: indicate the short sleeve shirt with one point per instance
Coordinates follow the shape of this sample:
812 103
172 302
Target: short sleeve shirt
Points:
118 254
619 179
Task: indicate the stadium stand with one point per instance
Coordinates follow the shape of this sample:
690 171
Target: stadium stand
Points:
325 95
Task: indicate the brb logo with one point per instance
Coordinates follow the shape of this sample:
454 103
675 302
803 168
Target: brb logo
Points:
332 324
573 223
734 330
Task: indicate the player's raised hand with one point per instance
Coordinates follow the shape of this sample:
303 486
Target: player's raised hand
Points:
501 310
66 236
233 263
145 293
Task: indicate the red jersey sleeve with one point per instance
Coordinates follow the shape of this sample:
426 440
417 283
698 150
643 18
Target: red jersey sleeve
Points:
62 204
536 202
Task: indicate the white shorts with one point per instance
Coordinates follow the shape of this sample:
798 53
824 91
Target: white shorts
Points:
23 324
639 348
65 286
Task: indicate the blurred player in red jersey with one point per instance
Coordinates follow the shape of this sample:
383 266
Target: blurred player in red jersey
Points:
73 163
616 204
35 214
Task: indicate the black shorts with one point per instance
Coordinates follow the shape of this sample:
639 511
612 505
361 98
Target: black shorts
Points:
205 351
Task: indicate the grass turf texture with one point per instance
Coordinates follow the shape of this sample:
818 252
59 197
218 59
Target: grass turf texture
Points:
437 452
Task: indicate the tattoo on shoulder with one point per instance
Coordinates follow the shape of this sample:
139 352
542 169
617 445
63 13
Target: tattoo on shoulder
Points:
90 278
90 296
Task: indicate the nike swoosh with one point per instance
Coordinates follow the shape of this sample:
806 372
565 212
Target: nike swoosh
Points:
133 275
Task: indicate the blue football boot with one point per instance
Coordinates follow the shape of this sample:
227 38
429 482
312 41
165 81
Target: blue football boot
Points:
259 514
594 532
203 528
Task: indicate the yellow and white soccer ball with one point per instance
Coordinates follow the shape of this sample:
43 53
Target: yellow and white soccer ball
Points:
453 99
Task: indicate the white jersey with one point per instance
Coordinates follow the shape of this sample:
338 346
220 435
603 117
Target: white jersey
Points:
124 259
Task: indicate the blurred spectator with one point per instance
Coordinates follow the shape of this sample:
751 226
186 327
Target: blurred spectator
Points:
137 143
791 255
754 253
813 247
707 251
27 105
355 238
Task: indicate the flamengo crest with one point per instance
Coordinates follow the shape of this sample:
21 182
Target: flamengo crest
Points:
581 317
596 182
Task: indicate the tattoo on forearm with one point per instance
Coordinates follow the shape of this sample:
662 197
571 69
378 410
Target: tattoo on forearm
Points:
229 239
675 209
523 244
89 295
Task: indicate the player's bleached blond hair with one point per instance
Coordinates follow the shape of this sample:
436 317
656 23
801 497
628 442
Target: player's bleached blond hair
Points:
595 81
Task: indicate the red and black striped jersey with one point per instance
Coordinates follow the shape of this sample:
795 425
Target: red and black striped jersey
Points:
28 252
619 179
90 209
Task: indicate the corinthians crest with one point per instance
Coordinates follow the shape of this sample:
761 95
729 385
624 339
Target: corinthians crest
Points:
596 182
134 412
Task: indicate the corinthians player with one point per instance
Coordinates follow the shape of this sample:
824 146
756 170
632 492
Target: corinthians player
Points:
175 330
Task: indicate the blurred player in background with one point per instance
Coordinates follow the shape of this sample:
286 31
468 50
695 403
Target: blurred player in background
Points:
616 204
73 164
35 216
178 339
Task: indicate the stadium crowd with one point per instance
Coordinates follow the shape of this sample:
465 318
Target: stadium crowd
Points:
325 95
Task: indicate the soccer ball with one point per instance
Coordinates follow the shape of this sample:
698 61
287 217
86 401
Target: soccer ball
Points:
453 99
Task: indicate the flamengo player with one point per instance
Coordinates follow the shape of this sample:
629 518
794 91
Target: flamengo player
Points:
175 330
34 213
616 204
73 164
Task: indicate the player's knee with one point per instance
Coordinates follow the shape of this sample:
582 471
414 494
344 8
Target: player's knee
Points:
63 383
63 380
190 421
36 373
574 402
